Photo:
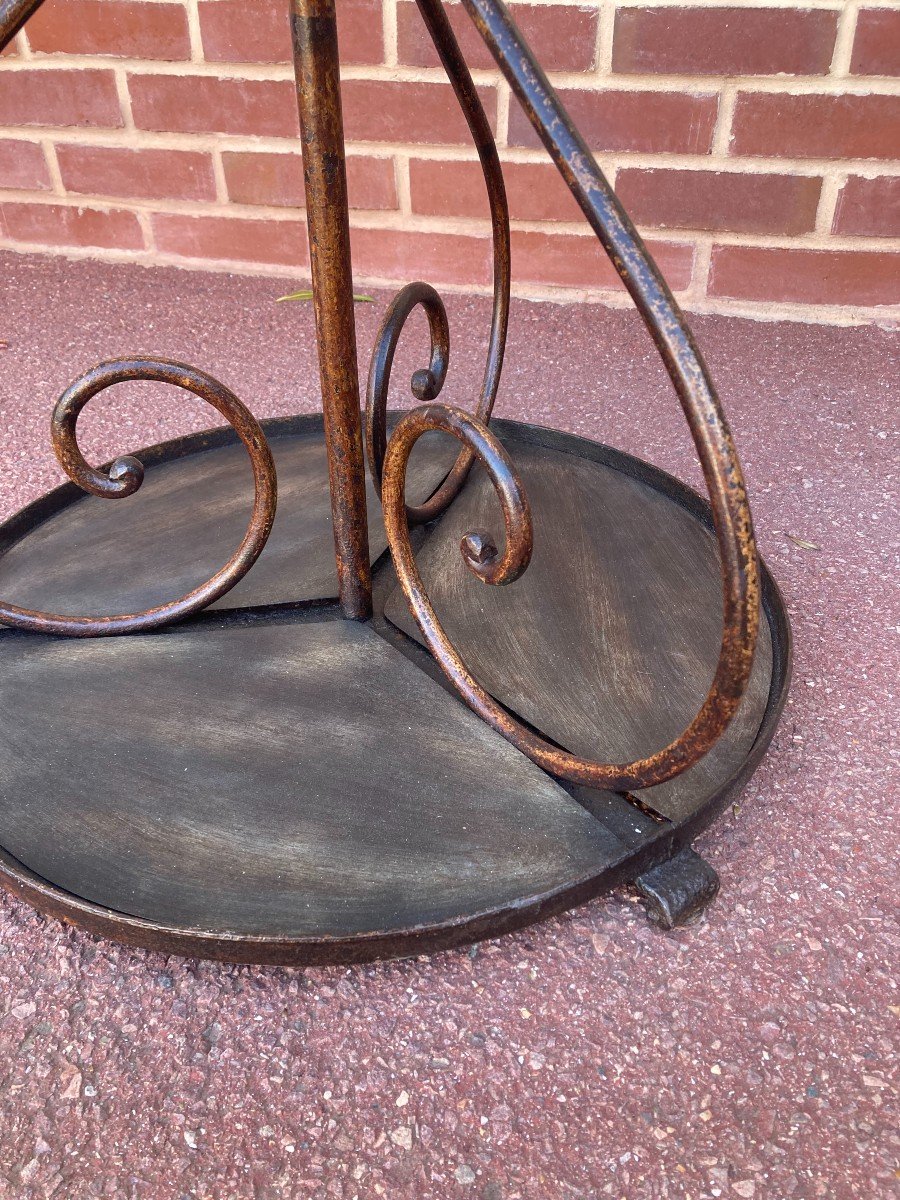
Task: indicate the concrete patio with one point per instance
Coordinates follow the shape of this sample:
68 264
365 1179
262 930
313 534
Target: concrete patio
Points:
750 1055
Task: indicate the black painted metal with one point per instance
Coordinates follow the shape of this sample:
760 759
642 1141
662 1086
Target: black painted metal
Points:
678 891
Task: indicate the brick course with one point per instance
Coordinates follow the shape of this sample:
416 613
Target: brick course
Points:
23 166
562 35
756 144
126 29
136 174
724 41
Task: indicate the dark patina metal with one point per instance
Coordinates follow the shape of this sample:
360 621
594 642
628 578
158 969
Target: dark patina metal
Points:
638 842
314 31
126 474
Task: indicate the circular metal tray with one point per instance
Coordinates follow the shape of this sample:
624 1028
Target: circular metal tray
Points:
267 782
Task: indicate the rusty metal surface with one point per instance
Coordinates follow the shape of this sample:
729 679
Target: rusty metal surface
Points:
318 92
625 567
426 383
677 892
317 71
74 553
705 417
326 740
316 65
125 476
13 15
483 558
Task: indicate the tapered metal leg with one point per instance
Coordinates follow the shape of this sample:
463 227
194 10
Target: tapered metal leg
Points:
322 134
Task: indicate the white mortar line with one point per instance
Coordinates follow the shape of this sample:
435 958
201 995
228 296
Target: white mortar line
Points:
389 32
404 191
843 46
605 28
724 119
831 190
196 37
53 167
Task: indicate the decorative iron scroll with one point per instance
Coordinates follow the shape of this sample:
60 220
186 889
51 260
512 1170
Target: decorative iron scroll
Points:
705 417
426 384
126 474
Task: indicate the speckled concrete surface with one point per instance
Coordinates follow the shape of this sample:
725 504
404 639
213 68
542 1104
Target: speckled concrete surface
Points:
748 1056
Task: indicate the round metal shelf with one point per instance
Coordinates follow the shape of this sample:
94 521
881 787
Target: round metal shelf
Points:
268 782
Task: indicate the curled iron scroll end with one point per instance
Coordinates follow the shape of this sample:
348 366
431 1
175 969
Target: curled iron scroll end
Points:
478 546
124 477
127 473
426 383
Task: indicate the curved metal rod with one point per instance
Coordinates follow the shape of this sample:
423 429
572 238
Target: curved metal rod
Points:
125 476
426 383
481 556
423 388
681 357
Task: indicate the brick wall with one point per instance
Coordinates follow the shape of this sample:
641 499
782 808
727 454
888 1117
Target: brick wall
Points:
757 145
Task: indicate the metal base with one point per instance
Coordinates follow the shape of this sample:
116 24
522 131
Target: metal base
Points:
268 782
677 891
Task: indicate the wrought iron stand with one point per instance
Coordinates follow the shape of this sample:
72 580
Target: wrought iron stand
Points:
277 767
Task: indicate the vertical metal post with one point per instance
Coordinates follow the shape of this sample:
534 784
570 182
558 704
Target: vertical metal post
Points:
316 66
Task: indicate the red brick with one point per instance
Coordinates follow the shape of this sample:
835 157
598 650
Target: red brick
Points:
839 277
22 165
270 178
720 200
654 122
59 98
59 225
724 41
139 174
259 31
456 189
232 239
876 46
437 257
371 182
125 28
562 37
570 260
381 111
203 104
846 126
869 207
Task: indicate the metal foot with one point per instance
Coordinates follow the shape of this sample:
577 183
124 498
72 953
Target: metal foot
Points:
678 890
